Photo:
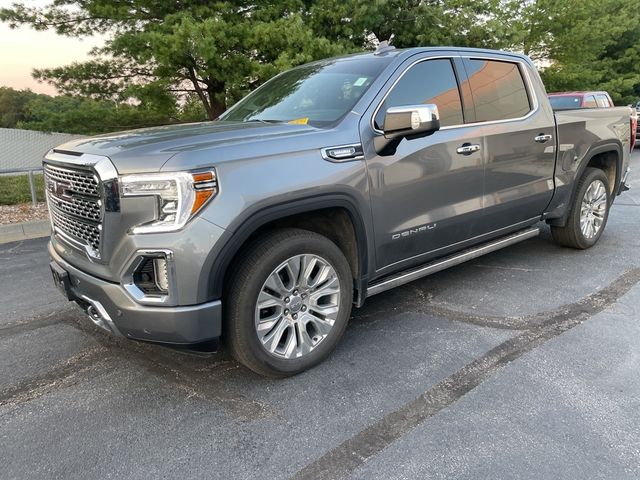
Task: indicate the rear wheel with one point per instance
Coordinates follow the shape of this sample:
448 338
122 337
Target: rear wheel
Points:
288 302
589 212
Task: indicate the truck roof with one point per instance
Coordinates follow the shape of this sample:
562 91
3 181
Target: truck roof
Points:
407 52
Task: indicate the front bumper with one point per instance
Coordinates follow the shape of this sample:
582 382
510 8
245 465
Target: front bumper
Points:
111 308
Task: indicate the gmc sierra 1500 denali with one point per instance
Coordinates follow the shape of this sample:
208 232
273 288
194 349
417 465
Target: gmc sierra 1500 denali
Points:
332 182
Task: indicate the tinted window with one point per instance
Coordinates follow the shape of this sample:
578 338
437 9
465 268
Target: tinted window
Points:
498 90
430 81
590 102
603 101
565 102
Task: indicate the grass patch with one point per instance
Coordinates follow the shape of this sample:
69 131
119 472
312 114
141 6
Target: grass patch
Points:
15 189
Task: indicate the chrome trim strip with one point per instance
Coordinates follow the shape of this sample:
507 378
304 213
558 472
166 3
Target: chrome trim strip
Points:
523 68
138 295
450 261
87 249
478 239
102 165
109 196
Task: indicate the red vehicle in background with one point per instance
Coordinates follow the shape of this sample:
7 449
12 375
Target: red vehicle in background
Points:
577 100
573 100
635 134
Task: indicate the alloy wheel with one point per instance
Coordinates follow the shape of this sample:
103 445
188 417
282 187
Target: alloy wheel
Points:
593 209
297 306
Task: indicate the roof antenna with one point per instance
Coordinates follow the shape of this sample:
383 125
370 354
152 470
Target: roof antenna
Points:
385 46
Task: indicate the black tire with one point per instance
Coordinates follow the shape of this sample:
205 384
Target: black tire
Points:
256 264
571 234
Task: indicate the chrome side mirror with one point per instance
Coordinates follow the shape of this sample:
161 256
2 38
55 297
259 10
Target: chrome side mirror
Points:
411 121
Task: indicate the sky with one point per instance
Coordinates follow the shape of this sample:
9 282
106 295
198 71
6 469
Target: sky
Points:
23 49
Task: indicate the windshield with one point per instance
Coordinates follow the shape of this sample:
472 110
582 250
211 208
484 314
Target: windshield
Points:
316 94
565 102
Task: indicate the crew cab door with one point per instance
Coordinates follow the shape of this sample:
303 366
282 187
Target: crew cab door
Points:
518 140
425 196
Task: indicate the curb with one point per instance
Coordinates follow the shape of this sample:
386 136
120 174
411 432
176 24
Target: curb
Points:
14 232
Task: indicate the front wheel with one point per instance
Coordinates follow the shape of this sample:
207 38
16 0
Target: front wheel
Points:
288 302
589 212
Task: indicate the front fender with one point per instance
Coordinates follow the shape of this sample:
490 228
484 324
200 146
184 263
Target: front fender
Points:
220 258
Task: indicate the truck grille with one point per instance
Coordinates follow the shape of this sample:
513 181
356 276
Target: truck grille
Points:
83 182
75 205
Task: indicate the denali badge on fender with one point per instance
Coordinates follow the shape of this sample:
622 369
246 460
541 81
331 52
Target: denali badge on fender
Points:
413 231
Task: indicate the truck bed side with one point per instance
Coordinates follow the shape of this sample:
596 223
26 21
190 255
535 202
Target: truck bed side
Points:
582 137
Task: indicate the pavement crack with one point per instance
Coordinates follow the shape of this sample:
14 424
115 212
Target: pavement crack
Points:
178 370
63 374
188 376
35 323
516 323
207 384
15 247
345 458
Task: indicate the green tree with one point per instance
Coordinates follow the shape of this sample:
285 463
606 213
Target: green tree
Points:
214 50
88 116
581 44
31 111
13 105
412 22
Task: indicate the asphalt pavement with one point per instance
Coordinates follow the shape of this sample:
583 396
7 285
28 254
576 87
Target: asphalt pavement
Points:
522 364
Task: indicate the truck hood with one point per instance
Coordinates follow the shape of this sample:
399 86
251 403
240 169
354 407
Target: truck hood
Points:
148 149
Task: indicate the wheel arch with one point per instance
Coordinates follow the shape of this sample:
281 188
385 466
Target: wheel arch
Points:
285 215
602 156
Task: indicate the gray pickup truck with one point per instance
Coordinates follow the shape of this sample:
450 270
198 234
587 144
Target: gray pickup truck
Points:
332 182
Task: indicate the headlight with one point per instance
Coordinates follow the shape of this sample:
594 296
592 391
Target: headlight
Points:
180 195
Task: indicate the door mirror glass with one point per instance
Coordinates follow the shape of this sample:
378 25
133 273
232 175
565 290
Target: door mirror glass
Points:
411 121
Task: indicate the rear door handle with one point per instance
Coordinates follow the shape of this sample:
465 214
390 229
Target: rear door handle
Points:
468 149
542 138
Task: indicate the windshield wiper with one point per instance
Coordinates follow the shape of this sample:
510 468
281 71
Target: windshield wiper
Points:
262 120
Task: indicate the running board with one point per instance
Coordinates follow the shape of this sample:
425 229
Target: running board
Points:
450 261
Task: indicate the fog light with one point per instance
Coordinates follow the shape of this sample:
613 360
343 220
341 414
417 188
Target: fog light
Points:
161 274
150 277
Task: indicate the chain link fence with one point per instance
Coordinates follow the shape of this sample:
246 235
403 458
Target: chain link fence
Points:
21 152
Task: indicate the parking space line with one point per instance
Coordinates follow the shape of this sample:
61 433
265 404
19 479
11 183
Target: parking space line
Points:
340 461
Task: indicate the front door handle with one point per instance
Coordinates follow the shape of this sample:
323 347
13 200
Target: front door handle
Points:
468 149
542 138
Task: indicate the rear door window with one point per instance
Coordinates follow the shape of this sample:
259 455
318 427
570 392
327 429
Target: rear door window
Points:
565 102
603 101
590 102
431 81
498 89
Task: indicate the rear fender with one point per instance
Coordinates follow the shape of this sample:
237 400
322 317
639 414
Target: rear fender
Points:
559 215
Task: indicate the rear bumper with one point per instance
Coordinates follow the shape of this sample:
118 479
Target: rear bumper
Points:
111 308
